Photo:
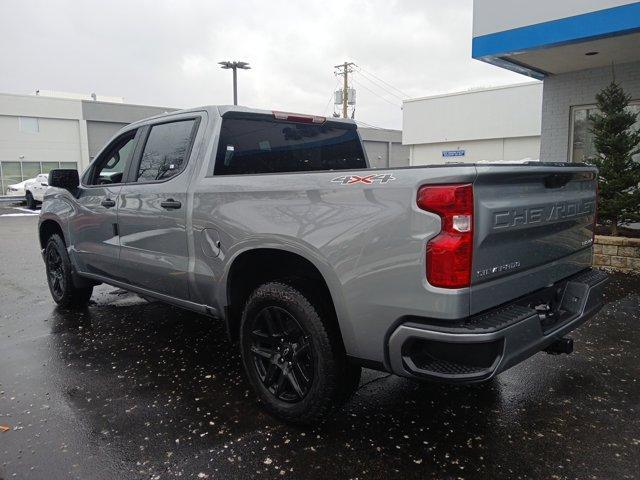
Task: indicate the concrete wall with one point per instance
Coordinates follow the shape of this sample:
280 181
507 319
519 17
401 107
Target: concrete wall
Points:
494 149
561 92
34 106
501 112
119 112
58 140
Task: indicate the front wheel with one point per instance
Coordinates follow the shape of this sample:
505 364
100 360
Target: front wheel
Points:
31 202
59 276
293 358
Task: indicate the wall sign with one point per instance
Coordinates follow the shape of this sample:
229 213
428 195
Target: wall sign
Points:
453 153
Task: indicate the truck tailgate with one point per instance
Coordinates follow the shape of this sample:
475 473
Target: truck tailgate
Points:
533 227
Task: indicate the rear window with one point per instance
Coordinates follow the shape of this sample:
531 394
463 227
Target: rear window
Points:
265 145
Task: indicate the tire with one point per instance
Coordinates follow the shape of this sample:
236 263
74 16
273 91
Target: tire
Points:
60 278
285 333
31 202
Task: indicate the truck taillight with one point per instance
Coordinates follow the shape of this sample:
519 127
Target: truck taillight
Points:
450 252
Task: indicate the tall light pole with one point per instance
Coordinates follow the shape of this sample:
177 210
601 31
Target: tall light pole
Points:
235 66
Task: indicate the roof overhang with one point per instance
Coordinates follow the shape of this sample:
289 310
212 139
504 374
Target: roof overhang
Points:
578 42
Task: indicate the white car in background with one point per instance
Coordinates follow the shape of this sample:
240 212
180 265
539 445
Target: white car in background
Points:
34 190
17 189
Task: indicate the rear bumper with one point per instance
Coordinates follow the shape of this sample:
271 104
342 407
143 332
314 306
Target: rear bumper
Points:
479 347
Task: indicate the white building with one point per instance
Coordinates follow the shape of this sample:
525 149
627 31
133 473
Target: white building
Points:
575 47
41 132
492 124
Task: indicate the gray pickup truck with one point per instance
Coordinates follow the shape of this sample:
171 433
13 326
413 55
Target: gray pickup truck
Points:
318 265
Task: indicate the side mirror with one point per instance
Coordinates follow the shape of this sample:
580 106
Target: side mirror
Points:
63 178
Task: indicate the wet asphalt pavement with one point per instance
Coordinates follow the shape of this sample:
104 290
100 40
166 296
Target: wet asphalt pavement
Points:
129 389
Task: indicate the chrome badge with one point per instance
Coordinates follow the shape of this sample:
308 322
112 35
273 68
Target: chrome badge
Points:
498 269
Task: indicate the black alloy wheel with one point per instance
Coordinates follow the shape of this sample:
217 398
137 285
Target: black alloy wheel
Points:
66 292
282 354
55 273
292 352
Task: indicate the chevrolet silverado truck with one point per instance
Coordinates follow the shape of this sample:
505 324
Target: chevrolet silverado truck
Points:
319 265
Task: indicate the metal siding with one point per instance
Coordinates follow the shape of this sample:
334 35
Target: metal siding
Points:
377 153
99 133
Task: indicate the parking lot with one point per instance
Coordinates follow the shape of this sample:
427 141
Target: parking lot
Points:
131 389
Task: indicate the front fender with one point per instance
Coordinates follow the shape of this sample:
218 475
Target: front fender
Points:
57 206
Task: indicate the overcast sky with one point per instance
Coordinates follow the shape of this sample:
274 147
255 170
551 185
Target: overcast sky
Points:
165 53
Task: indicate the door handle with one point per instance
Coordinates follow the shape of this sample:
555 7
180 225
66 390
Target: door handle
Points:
108 203
170 204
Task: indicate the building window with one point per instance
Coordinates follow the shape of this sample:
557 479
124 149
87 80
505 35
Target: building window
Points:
11 173
16 172
48 166
582 138
29 124
30 170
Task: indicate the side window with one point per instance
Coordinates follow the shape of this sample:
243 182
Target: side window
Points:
110 166
166 150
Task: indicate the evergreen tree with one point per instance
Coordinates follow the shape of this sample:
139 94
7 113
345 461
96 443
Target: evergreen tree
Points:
616 143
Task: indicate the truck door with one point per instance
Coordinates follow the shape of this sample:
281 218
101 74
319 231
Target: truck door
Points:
94 227
152 209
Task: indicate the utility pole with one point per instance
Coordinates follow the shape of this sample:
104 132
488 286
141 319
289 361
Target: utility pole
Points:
344 70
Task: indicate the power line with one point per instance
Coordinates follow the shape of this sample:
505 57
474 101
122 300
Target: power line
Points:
333 92
383 89
380 85
377 95
383 81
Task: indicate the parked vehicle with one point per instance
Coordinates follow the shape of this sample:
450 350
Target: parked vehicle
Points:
17 189
319 265
34 190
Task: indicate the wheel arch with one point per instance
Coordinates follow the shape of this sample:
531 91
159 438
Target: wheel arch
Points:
255 266
48 227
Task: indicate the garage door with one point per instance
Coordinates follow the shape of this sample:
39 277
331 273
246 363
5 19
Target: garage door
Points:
99 133
378 153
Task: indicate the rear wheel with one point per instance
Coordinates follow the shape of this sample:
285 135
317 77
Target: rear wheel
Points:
59 276
31 202
294 360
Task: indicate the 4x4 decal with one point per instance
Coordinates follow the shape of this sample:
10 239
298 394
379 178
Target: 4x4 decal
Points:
366 179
